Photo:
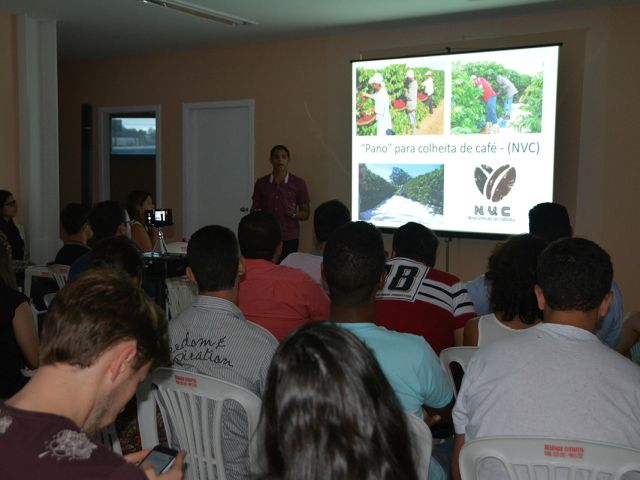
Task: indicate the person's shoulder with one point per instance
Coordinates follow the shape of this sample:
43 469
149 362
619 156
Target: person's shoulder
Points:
262 335
443 277
405 340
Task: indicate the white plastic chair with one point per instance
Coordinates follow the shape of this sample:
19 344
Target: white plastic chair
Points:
177 248
537 458
59 273
48 298
109 438
461 356
187 401
421 443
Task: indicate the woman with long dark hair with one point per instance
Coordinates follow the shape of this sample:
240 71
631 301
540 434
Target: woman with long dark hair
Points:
513 303
138 202
329 412
18 337
9 209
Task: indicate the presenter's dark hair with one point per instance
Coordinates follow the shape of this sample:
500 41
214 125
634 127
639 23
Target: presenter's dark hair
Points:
212 254
105 218
329 412
550 221
512 271
574 274
328 217
415 241
353 263
119 252
73 217
279 147
259 235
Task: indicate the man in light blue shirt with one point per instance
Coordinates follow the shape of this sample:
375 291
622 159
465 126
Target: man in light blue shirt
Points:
354 269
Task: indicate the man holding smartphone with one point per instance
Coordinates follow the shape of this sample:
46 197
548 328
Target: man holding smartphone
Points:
101 338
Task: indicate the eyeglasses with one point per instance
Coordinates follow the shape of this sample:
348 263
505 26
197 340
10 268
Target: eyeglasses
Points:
12 203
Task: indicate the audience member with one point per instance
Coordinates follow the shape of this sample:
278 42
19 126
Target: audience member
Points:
81 385
284 195
550 221
277 297
354 268
629 336
18 336
418 298
119 252
326 218
12 232
74 219
139 202
107 219
558 379
512 273
329 413
214 338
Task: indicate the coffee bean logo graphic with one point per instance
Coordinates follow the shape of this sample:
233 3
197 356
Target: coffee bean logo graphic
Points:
495 184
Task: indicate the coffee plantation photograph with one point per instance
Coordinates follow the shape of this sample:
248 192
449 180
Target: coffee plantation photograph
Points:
409 100
491 98
394 194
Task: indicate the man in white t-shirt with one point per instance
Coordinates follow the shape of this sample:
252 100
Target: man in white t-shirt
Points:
557 380
326 218
428 90
384 125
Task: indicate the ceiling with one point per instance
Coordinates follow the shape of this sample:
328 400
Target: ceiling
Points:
108 28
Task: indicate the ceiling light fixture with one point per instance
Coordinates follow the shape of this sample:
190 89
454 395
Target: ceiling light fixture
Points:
202 12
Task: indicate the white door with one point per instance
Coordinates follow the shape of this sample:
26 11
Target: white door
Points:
217 163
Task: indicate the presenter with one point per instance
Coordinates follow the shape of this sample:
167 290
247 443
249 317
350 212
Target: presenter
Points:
284 195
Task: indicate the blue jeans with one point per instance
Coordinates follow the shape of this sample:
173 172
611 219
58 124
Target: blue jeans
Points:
507 106
492 115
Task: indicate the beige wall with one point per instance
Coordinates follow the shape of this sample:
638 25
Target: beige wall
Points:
302 94
9 166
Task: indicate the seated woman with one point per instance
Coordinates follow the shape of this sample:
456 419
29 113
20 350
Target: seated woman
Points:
19 344
329 412
11 231
139 202
512 272
630 337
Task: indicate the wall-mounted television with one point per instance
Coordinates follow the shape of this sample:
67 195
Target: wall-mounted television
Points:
460 142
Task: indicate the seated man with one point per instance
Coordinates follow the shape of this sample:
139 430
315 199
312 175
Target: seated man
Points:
74 219
277 297
326 218
107 219
102 336
550 221
214 338
354 270
418 298
558 379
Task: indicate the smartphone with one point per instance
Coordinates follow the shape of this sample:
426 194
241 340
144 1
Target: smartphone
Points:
161 458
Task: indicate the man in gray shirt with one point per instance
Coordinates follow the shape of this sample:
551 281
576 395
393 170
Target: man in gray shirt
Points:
558 379
214 338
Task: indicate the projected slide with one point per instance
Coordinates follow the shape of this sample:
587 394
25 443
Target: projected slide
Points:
462 143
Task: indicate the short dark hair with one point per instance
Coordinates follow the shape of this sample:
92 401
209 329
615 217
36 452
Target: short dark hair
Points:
105 218
73 217
279 147
574 274
550 221
259 235
212 254
134 200
99 309
328 216
328 410
353 263
119 252
512 272
415 241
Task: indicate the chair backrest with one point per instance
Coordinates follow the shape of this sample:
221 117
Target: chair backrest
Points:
537 458
59 273
109 438
422 443
48 298
177 248
461 356
191 408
